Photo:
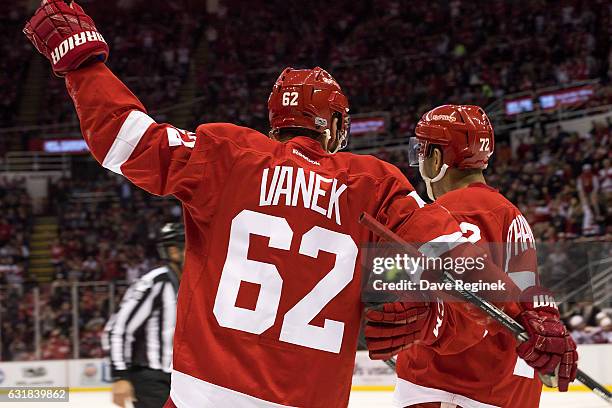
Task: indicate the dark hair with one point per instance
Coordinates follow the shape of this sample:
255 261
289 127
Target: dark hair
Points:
431 148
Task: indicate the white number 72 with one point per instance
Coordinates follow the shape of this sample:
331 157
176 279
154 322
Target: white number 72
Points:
484 144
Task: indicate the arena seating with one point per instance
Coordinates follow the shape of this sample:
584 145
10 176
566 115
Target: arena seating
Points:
459 52
15 218
15 56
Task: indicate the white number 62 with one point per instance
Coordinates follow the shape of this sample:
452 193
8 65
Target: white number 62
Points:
290 99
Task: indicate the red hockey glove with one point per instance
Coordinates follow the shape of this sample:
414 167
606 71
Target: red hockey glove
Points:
550 348
393 327
65 35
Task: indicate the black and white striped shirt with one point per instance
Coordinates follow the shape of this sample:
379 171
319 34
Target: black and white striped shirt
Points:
140 333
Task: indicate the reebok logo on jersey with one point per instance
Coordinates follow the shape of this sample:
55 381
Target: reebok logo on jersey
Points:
303 156
75 41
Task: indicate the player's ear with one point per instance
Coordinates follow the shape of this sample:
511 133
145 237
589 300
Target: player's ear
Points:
332 136
437 160
334 129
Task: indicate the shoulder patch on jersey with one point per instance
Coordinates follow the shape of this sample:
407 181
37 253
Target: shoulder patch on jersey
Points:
178 137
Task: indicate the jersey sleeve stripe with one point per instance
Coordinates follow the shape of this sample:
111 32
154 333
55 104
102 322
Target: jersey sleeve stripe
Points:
132 130
523 279
442 244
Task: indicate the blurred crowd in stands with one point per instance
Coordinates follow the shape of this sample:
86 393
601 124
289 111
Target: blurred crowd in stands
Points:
107 230
150 55
15 219
55 316
589 325
561 180
14 62
459 52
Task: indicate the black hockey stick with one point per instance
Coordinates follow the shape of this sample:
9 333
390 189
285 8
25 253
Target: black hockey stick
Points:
493 311
390 362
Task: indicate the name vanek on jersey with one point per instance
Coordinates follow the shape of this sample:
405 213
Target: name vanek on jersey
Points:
485 372
269 304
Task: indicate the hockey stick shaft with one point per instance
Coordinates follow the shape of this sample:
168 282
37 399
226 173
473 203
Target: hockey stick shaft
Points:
390 362
493 311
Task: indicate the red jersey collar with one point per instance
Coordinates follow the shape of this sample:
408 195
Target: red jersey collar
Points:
310 144
482 185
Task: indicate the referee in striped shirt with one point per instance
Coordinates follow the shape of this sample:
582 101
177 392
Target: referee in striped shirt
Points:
139 336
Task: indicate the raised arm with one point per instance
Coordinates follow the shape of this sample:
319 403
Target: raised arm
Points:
114 123
127 141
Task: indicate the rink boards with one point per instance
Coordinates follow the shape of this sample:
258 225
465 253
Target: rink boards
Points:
94 374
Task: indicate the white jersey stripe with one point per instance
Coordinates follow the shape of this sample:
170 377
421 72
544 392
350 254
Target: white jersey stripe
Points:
442 244
132 130
523 279
523 369
407 393
420 202
191 392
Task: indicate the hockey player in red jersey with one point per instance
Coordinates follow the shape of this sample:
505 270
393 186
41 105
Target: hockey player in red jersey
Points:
269 304
452 147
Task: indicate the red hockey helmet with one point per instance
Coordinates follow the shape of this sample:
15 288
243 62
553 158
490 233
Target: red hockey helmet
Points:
463 132
310 99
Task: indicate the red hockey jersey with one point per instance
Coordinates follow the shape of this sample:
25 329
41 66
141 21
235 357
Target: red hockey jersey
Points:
269 304
487 373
